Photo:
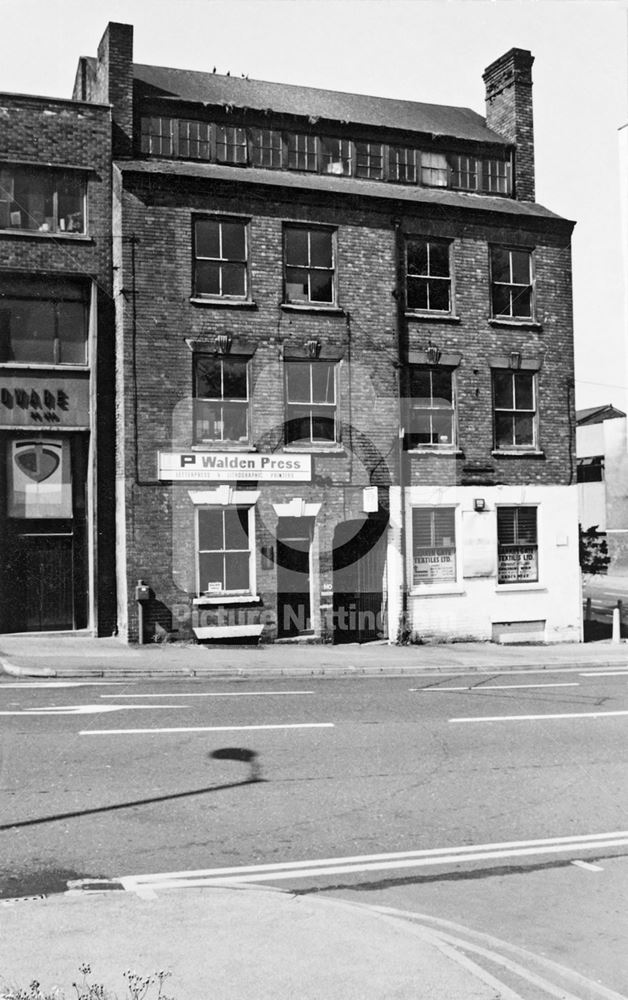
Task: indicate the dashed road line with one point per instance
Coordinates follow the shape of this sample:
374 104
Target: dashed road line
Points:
210 694
529 718
205 729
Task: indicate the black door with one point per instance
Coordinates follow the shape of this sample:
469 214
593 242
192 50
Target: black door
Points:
294 542
359 561
46 582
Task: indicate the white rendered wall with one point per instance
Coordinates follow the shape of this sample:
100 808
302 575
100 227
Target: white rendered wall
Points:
470 606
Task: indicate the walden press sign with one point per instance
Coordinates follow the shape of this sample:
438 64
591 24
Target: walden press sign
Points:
229 467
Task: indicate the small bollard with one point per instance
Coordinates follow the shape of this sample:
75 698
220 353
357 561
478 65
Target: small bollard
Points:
587 610
616 626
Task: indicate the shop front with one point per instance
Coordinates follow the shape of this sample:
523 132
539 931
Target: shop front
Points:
44 504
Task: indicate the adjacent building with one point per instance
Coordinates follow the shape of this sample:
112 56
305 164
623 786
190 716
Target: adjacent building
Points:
602 457
344 362
56 360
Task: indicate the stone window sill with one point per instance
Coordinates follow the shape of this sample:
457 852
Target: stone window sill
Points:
226 599
315 449
35 234
325 309
437 590
221 446
224 303
432 316
525 324
436 452
532 453
507 588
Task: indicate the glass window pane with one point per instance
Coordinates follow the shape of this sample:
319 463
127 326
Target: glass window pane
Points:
439 295
320 248
421 427
439 259
210 534
211 571
32 331
297 288
506 525
500 264
207 278
70 204
524 391
442 423
72 332
321 286
417 293
236 571
236 528
297 426
234 279
233 241
234 379
417 257
503 430
235 422
323 425
420 384
323 383
526 524
520 267
521 301
298 381
208 383
503 390
207 238
501 300
207 421
297 247
524 429
441 382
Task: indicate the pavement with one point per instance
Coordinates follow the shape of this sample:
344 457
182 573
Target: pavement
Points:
77 655
251 943
243 942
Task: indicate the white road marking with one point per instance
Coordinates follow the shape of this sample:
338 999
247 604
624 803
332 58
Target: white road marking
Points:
588 866
208 694
513 718
380 862
607 673
59 684
53 710
205 729
470 687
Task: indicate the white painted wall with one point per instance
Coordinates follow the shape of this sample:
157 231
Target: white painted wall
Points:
469 606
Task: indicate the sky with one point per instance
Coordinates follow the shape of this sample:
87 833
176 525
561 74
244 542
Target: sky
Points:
433 51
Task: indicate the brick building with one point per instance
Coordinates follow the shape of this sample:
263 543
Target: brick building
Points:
344 364
56 355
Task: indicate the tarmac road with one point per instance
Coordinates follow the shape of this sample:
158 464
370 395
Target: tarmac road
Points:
498 802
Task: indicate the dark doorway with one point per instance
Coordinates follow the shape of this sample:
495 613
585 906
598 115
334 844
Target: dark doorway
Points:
44 573
359 561
294 543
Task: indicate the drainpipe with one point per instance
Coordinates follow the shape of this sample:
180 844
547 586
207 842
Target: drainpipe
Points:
402 368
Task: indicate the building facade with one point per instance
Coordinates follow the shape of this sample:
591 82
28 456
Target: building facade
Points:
602 457
56 357
344 362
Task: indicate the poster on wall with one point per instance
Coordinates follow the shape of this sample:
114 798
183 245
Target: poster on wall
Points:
437 565
39 479
518 565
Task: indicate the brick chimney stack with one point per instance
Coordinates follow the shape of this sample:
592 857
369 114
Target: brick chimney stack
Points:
114 83
508 84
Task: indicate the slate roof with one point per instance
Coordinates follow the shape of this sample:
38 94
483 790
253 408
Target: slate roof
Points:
598 414
342 185
331 105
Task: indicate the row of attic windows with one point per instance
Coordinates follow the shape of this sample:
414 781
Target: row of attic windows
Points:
279 150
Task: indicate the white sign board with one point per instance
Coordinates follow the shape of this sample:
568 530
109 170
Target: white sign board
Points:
226 466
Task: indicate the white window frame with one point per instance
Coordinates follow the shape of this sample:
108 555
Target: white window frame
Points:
512 285
234 504
451 586
220 261
519 583
534 412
